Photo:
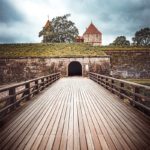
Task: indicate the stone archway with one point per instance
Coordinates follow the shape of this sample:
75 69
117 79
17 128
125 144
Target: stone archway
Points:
74 69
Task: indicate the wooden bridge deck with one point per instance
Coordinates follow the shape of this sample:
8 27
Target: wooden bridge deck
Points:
76 113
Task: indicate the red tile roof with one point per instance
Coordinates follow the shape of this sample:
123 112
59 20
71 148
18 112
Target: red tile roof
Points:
48 24
92 30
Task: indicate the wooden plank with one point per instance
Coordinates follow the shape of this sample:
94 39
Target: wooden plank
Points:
47 135
95 138
138 125
19 130
63 144
70 130
76 113
83 141
95 122
128 127
22 116
40 136
58 136
35 126
75 116
89 140
25 123
103 128
111 125
42 122
61 112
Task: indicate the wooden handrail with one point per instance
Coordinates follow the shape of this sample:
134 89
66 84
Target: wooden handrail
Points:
13 96
125 90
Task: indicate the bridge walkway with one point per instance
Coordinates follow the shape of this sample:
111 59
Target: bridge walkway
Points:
76 113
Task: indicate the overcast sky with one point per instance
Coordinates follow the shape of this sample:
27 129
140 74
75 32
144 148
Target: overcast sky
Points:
21 20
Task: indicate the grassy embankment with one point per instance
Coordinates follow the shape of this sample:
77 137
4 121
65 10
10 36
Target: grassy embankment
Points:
49 50
57 50
140 81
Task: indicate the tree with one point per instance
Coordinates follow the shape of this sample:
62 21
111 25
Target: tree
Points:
59 30
120 41
142 37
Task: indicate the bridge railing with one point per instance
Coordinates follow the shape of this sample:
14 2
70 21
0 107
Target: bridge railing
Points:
11 97
137 94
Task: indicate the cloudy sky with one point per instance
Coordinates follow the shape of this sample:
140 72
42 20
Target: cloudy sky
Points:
21 20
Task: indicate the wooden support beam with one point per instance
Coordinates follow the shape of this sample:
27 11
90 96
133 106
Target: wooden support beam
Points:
12 92
28 91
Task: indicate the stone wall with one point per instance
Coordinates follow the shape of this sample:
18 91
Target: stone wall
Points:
95 39
21 69
120 64
130 64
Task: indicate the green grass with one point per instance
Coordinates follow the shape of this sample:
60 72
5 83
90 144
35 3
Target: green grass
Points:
57 50
120 48
141 81
49 50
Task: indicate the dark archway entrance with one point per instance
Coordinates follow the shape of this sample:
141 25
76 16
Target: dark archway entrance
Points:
74 69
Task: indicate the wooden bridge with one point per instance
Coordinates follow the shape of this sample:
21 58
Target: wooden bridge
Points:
74 113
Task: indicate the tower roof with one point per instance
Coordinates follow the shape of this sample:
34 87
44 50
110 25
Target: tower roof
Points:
48 24
92 30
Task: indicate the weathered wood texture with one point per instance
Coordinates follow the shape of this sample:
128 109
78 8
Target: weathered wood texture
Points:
76 113
12 96
137 94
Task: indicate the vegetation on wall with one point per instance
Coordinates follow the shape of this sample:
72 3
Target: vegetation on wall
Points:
60 50
140 81
49 50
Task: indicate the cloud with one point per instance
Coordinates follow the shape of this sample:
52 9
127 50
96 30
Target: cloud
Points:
20 21
116 17
8 13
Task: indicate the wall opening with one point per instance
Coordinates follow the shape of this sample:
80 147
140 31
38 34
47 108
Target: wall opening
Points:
75 69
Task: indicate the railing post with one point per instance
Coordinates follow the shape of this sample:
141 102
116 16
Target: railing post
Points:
13 98
102 81
55 77
135 97
12 92
43 85
28 92
106 84
47 82
52 78
112 86
96 78
121 90
37 86
136 91
91 76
